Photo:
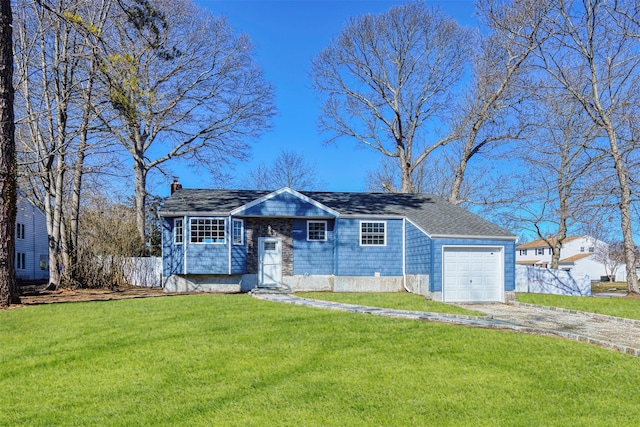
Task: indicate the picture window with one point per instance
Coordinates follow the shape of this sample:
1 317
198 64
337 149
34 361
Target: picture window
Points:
207 230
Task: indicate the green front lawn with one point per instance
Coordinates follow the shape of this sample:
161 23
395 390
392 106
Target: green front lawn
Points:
620 307
394 300
231 360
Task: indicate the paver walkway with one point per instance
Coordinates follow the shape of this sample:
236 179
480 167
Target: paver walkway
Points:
605 331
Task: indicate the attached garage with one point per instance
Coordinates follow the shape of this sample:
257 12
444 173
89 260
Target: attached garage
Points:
473 274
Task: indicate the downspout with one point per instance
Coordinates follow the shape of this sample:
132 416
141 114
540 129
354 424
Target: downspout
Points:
186 233
33 248
336 236
162 230
229 240
404 255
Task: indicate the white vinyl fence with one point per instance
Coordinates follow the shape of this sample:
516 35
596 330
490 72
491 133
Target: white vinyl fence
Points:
546 281
143 271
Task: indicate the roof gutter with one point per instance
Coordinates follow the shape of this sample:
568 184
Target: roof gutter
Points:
170 214
459 236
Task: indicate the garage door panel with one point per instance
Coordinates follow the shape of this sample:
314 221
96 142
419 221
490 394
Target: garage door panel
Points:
472 274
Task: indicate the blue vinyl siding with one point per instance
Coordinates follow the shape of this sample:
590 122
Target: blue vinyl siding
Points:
239 256
207 259
509 249
356 260
510 266
315 257
418 250
172 254
285 205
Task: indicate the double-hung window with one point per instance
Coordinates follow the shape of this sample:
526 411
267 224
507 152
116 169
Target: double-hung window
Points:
540 251
238 232
20 231
317 231
373 233
178 231
207 230
21 261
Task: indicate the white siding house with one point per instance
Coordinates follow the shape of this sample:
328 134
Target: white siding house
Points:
32 250
577 256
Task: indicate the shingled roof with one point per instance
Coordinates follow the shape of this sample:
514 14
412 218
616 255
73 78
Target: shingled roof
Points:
437 217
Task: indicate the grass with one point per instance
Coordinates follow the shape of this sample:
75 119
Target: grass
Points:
395 300
620 307
230 360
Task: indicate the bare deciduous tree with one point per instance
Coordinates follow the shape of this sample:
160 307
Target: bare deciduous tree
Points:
56 70
389 80
498 66
594 55
611 256
554 158
180 84
289 169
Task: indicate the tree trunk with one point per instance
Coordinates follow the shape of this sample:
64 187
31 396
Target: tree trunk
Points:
78 171
141 199
405 170
8 290
625 214
454 194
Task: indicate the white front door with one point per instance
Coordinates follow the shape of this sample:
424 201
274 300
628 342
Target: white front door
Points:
269 261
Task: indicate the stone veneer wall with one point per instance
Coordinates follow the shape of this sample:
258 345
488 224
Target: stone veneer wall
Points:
270 227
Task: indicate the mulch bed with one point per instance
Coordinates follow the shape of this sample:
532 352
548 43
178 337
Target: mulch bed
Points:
33 295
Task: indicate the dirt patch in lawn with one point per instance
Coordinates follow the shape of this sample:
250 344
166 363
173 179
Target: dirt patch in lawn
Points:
32 295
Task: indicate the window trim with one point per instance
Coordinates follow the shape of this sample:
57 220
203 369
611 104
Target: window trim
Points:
175 229
210 218
315 221
384 236
235 221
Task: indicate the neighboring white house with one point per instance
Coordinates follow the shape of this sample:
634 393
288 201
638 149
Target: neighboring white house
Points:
578 255
32 249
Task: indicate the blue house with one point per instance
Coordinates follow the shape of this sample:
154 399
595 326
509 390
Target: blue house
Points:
32 242
235 240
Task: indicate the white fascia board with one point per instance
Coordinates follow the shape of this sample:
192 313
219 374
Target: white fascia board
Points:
285 190
372 216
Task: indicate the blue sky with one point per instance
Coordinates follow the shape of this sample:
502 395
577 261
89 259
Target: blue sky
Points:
287 34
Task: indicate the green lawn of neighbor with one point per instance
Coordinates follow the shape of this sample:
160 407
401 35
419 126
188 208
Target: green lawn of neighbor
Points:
620 307
395 300
231 360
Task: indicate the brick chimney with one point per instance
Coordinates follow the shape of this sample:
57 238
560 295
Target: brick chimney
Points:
175 185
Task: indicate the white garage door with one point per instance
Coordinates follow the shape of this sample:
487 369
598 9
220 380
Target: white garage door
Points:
472 275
